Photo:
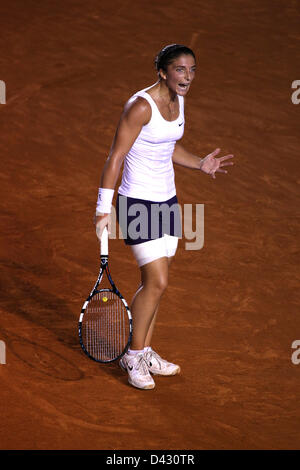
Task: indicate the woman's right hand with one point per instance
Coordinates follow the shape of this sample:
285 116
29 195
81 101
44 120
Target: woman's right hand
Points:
101 221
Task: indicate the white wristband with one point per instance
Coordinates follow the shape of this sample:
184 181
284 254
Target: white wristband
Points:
104 202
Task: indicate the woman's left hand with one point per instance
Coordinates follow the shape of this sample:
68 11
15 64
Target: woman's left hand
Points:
211 165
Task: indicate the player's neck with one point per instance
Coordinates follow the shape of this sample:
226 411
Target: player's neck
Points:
164 93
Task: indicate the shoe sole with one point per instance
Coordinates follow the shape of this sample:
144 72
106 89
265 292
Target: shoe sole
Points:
145 387
177 371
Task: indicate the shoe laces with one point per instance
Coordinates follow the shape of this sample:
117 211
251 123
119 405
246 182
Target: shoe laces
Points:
150 354
141 365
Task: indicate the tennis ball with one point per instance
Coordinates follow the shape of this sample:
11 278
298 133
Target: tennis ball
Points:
104 299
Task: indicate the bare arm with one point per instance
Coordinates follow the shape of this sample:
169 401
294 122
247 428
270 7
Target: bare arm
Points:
209 164
133 118
184 158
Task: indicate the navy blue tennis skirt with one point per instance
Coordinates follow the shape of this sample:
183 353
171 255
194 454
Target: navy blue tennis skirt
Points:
141 220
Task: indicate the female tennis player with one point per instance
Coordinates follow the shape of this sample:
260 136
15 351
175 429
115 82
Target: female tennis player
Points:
146 140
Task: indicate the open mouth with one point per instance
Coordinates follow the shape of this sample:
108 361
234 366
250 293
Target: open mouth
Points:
183 86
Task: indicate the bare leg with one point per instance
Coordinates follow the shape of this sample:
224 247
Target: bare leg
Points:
145 302
151 328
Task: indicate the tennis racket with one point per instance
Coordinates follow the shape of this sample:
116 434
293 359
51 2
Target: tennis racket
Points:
105 322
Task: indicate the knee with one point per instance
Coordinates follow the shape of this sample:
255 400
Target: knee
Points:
162 283
158 284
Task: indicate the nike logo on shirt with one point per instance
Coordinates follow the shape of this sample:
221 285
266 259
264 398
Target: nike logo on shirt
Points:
180 124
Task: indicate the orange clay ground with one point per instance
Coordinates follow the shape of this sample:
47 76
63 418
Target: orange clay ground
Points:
231 311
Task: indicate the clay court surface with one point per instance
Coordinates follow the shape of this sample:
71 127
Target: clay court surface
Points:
231 311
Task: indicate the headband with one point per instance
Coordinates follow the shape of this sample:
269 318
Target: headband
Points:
165 51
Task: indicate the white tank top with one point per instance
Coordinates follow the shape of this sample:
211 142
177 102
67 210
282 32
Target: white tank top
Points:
148 167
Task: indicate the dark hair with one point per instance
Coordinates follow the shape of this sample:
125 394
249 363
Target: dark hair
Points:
170 53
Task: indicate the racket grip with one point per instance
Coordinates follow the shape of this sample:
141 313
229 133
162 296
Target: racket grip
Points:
104 242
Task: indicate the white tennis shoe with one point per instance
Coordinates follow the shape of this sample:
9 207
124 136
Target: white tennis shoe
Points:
138 373
159 366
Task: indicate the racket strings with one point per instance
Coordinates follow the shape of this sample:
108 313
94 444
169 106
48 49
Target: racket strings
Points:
105 327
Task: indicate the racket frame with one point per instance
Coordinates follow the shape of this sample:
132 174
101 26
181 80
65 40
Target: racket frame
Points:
104 268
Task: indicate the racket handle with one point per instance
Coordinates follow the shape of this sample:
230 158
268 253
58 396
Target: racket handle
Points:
104 242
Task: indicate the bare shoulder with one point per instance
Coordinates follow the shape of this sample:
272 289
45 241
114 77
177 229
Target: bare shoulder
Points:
138 110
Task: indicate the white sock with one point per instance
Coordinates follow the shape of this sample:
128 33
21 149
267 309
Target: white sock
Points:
147 348
134 351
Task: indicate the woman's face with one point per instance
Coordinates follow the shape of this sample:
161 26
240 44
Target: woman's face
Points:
180 74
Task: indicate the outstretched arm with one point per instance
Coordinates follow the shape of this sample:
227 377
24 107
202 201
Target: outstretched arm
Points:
184 158
209 164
